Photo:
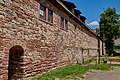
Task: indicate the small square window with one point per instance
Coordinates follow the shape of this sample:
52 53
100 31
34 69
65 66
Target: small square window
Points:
42 12
50 15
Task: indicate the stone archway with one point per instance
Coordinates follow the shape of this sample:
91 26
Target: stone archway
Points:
15 71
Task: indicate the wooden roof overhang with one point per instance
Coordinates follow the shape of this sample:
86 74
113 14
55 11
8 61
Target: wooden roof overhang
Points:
82 18
61 6
77 12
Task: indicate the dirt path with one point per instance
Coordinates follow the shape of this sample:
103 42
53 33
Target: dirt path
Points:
104 75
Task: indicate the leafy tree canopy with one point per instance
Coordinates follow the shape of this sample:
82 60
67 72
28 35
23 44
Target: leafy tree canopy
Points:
109 28
110 22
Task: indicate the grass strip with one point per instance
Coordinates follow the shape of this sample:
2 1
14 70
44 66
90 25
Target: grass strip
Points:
71 70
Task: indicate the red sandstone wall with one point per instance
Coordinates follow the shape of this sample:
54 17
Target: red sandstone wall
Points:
46 46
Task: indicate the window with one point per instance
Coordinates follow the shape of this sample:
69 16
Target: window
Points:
50 15
46 14
42 12
66 24
75 26
63 23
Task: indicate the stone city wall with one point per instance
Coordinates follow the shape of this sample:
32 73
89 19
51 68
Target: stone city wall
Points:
46 46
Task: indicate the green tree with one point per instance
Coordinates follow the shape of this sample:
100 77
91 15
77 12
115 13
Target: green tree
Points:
98 31
109 28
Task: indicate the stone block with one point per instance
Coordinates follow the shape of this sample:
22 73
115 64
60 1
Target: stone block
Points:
2 2
2 17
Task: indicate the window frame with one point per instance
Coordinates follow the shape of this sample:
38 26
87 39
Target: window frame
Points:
51 16
46 14
63 23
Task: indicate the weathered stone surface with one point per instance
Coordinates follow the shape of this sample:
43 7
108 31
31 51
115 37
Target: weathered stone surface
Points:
2 17
1 1
5 2
46 46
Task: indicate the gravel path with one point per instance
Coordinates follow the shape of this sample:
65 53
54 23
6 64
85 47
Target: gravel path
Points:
104 75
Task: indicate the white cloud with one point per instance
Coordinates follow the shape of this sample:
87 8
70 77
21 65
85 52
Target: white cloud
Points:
94 23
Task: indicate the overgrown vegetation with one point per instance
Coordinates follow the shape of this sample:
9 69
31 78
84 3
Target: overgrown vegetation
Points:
75 70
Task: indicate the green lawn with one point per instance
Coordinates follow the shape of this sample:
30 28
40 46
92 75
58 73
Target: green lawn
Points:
74 70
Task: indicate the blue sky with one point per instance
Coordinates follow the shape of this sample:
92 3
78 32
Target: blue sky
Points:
92 9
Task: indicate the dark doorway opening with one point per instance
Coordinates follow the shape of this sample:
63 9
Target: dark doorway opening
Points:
15 70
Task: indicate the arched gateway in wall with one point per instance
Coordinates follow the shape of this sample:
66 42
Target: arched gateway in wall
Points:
15 70
15 50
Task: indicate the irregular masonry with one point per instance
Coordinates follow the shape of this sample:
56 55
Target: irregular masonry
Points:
46 46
